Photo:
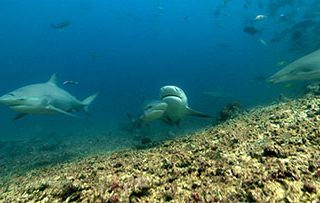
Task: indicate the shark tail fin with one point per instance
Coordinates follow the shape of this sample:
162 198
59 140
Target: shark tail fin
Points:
87 101
53 79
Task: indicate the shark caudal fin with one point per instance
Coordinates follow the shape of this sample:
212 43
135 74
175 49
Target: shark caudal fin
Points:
87 101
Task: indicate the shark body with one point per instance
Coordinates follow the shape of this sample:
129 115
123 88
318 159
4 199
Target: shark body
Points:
178 107
304 68
44 98
153 110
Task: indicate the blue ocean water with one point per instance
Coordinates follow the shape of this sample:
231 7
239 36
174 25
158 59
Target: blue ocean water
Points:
127 50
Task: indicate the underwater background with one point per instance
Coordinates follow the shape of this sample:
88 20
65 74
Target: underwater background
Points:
127 50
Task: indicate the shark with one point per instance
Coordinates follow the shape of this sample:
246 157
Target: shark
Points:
304 68
152 110
45 98
178 107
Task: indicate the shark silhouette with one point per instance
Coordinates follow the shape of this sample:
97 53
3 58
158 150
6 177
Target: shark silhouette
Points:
178 107
304 68
45 98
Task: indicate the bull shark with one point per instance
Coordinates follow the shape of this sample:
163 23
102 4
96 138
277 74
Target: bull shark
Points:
304 68
152 110
178 107
45 98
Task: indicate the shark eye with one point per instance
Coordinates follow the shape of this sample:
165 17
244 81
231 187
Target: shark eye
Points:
148 107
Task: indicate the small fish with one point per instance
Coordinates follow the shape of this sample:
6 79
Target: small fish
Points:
251 30
217 12
281 63
262 41
260 17
225 2
94 56
70 82
160 8
62 25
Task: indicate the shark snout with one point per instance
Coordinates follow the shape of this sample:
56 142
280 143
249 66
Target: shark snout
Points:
5 99
170 90
10 100
276 79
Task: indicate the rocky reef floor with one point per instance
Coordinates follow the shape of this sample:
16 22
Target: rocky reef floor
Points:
269 154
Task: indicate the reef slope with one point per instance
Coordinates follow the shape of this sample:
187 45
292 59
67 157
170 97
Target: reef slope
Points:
270 154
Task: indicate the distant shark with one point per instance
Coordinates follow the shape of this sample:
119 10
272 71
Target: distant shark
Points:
45 98
178 106
218 94
304 68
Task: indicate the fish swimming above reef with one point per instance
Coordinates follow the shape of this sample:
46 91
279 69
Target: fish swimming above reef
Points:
251 30
218 94
281 63
152 110
45 98
260 17
61 26
177 105
304 68
70 82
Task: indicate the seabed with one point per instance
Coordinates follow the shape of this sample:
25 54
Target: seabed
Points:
269 154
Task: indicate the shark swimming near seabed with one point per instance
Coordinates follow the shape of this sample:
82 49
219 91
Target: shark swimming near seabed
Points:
45 98
171 109
304 68
178 107
219 93
152 110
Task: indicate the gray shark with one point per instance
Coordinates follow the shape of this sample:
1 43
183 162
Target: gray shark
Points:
152 110
44 98
177 105
304 68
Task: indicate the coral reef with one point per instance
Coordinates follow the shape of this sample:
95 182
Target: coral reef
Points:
229 111
269 154
313 88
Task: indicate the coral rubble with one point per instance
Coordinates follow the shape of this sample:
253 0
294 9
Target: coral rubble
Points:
269 154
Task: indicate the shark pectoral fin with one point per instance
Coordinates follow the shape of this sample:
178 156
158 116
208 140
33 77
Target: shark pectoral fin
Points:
137 123
192 112
167 121
177 123
19 115
52 108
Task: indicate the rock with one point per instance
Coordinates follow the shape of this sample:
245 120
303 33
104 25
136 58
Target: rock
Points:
308 187
274 151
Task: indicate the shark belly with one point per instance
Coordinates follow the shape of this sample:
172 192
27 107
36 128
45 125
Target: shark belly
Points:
31 110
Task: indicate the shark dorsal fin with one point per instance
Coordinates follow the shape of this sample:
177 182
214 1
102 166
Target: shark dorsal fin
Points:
53 79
